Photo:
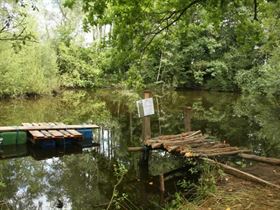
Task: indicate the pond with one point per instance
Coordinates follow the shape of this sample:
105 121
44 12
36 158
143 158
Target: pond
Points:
84 178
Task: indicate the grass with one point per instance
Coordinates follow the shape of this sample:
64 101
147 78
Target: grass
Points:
234 193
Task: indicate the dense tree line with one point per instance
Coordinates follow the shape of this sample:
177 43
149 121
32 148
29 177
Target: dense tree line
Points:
218 45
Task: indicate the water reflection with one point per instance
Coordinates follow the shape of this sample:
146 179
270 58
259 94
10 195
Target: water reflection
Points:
83 178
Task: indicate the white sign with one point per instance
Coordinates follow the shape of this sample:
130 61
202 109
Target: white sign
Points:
145 107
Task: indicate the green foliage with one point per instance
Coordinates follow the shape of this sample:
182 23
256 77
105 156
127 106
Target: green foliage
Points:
116 199
196 192
32 70
78 66
14 22
213 45
206 45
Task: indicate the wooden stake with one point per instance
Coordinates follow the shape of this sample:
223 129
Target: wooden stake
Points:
146 127
161 182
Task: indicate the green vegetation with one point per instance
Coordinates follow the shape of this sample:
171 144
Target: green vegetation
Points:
32 70
226 45
215 45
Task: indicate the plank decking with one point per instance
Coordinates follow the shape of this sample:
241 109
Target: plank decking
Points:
45 126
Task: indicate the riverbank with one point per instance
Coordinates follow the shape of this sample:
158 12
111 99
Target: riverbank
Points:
234 193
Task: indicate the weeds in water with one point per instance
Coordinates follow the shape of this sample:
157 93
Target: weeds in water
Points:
116 199
196 191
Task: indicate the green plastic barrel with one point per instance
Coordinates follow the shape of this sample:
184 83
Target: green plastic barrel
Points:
10 138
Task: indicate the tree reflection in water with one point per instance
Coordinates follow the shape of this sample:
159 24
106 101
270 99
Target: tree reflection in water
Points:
85 180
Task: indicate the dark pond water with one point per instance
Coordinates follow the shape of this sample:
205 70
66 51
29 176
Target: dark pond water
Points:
84 178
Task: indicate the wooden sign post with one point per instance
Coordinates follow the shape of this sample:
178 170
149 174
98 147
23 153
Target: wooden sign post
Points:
146 125
187 118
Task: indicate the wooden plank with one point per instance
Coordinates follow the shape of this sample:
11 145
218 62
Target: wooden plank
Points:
44 124
26 124
66 134
63 127
46 133
75 133
56 134
59 123
37 134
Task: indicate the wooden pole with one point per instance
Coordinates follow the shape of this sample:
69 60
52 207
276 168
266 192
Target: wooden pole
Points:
161 188
268 160
161 183
146 129
187 118
241 174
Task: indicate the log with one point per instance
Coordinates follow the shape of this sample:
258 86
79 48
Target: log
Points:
181 135
226 153
273 161
186 138
184 143
173 140
220 145
167 137
241 174
171 148
156 145
190 153
177 136
204 144
215 150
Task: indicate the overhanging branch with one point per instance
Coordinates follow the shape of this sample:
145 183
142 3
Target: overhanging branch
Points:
177 16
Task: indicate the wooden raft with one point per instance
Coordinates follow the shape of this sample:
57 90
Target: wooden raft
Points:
45 126
46 131
193 144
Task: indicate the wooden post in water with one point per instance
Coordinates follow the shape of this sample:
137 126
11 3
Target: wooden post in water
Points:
187 117
146 126
146 134
161 183
161 188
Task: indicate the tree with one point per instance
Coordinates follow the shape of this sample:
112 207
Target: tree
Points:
13 21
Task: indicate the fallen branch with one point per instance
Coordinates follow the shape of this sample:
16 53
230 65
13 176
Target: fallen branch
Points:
227 153
241 174
273 161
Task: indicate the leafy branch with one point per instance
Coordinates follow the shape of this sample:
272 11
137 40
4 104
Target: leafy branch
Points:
119 172
176 15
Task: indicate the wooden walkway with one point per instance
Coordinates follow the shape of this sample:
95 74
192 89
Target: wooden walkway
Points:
45 126
193 144
43 131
